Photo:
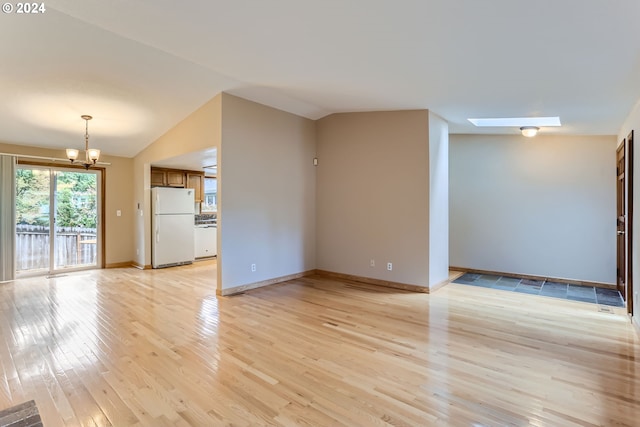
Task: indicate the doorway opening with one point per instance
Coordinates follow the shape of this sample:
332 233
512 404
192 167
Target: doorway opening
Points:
58 217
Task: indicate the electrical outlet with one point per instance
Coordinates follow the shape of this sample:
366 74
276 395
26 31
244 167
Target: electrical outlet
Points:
389 266
253 267
372 263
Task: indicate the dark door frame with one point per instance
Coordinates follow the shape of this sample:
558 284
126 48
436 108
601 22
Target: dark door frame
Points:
621 219
629 222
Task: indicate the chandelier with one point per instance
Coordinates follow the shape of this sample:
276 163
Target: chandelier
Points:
91 155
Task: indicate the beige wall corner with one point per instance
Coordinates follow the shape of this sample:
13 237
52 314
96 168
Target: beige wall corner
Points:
266 194
119 235
373 195
438 201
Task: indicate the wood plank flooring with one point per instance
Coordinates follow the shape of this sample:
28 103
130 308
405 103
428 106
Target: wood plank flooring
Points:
126 347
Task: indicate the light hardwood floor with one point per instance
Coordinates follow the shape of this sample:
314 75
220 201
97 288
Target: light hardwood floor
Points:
127 347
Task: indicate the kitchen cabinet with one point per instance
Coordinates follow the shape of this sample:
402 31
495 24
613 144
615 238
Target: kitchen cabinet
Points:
206 241
158 178
163 177
168 178
176 178
194 181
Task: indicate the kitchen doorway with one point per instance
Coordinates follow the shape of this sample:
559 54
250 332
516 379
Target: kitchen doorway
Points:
58 217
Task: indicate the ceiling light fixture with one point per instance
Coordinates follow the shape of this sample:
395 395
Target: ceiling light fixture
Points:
91 155
529 131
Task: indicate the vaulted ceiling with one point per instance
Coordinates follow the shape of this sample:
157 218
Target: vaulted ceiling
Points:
139 67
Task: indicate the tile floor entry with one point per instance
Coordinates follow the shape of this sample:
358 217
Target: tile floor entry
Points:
544 288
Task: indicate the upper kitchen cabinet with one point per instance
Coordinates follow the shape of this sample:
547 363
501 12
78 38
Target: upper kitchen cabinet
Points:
194 180
176 178
158 177
161 177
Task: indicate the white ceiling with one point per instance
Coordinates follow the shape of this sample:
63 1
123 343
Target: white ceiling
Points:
139 67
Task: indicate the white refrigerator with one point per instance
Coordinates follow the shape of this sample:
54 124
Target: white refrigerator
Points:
172 227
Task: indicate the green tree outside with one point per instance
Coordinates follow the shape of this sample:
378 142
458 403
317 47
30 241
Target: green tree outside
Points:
76 198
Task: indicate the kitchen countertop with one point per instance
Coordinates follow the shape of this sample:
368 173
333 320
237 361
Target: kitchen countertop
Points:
206 225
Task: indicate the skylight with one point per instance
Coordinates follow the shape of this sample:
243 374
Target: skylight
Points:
517 121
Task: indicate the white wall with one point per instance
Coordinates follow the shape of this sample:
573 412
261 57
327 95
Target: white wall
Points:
266 191
438 200
543 206
633 123
373 195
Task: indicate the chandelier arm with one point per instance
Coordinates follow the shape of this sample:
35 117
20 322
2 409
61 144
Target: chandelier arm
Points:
90 156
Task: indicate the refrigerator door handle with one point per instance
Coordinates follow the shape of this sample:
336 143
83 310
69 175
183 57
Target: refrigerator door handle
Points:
157 235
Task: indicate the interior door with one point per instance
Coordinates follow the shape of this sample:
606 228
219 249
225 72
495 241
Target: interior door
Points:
621 221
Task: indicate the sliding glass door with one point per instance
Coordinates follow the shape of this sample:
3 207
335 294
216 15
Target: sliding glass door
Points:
57 219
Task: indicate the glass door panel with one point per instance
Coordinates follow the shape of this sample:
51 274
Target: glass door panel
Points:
33 220
76 219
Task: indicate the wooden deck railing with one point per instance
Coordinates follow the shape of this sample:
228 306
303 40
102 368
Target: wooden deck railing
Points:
74 246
